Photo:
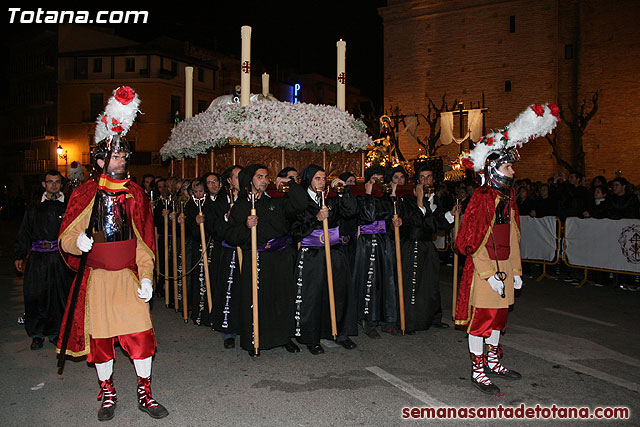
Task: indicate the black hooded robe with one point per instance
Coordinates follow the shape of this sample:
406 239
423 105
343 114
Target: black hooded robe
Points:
47 279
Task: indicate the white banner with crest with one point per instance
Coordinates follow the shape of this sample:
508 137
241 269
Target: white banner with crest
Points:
603 243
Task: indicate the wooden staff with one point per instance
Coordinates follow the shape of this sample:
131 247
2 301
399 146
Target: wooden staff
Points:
254 279
155 232
396 231
183 249
454 301
327 255
166 254
203 242
174 253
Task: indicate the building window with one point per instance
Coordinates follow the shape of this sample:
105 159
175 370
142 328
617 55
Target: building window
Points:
202 106
130 65
176 103
82 68
507 85
174 68
97 105
512 24
215 75
200 75
568 51
97 65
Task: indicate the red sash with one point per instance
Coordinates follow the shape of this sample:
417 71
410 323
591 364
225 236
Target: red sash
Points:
113 256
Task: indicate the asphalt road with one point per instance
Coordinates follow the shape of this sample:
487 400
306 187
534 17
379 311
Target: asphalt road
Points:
575 347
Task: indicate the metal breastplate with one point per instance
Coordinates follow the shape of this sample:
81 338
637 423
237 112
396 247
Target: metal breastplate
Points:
111 220
503 212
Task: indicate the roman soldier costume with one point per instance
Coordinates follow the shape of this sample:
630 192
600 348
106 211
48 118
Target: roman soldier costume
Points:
490 238
116 283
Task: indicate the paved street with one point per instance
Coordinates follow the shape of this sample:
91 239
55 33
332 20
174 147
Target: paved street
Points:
574 347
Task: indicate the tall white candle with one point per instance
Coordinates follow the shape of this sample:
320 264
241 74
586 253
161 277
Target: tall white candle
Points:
188 96
245 66
341 75
265 84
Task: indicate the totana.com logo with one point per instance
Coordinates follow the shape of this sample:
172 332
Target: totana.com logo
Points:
40 16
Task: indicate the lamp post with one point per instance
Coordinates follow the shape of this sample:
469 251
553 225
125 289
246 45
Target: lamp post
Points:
62 154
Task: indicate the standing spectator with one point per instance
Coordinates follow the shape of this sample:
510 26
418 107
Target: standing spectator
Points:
525 204
46 279
545 204
622 203
598 205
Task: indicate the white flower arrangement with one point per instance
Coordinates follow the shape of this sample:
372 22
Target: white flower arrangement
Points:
268 124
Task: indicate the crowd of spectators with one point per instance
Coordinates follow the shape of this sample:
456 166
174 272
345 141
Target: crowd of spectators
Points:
575 197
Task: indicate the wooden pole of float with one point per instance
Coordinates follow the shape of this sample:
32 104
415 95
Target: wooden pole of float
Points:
166 252
205 260
396 231
254 280
183 249
454 301
327 257
174 253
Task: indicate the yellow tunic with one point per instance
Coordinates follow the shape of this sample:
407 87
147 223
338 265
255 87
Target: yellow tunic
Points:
113 306
484 267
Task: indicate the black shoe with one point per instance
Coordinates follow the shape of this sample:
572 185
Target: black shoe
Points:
54 340
372 333
105 414
230 343
348 344
507 374
36 344
486 388
291 347
439 325
252 353
315 349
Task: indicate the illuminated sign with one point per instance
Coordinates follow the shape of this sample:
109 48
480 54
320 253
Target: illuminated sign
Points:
296 92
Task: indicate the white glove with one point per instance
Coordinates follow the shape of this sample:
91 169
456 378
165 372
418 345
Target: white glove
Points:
146 290
84 243
496 284
517 282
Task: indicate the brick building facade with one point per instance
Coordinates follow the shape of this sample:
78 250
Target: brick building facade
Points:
519 52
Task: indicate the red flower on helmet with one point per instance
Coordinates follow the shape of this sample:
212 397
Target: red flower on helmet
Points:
555 111
125 95
467 163
538 109
490 141
117 129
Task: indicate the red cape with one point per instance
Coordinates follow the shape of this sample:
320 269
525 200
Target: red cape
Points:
476 223
80 204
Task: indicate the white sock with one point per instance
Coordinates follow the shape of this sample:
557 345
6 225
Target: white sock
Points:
476 345
494 339
104 370
143 367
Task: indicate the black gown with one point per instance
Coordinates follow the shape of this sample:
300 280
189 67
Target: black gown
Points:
226 314
47 279
198 301
276 287
312 316
374 271
420 263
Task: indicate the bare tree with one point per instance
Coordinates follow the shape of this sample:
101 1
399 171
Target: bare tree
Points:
432 117
577 125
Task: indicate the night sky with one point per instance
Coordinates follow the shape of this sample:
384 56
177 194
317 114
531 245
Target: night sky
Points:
301 35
